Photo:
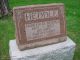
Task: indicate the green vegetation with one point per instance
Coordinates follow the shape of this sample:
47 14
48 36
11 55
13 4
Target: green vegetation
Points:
72 11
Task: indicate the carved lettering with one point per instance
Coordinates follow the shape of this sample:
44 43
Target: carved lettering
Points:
41 15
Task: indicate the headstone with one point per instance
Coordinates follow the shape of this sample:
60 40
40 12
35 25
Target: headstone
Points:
4 7
39 25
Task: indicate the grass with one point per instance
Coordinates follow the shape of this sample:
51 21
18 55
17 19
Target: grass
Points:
72 11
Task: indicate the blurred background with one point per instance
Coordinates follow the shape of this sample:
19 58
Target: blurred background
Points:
7 28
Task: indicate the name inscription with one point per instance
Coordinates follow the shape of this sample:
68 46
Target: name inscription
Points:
41 15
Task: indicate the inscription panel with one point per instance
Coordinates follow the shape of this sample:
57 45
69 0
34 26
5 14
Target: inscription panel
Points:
42 29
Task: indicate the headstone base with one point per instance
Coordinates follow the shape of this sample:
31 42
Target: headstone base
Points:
61 51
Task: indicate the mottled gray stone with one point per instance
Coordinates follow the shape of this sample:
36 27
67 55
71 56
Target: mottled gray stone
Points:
61 51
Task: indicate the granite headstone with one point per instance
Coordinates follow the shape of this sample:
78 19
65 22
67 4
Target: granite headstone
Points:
39 25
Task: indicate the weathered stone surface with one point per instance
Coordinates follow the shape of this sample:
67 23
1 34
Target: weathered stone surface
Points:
61 51
39 25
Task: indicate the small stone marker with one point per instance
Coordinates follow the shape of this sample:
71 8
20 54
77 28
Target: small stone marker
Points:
39 25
